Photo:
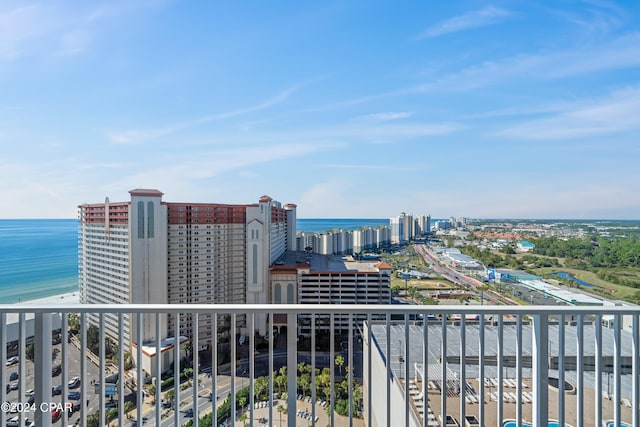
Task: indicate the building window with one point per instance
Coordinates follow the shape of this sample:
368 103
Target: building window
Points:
255 264
150 220
277 294
290 293
140 220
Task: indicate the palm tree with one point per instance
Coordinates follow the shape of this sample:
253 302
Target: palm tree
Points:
280 411
340 362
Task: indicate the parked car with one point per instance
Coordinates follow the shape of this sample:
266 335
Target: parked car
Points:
56 370
14 376
14 422
12 361
74 382
56 390
14 385
73 395
75 408
55 415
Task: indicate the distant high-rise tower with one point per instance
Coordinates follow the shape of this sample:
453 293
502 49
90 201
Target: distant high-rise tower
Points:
402 228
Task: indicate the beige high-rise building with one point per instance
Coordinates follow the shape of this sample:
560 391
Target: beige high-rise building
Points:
149 251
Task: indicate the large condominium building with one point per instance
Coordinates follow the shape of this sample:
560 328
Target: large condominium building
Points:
149 251
344 241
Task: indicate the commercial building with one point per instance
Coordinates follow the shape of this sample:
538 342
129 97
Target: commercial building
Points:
308 278
146 250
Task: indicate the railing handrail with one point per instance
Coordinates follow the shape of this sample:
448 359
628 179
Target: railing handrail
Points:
319 309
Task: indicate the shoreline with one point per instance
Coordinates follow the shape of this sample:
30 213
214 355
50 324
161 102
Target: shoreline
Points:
65 298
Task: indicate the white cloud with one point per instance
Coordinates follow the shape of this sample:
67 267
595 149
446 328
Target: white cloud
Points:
585 200
18 26
137 136
591 117
478 18
326 200
385 117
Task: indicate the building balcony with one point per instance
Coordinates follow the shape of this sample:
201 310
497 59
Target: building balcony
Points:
343 365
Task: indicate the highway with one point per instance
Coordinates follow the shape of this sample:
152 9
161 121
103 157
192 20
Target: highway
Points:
454 276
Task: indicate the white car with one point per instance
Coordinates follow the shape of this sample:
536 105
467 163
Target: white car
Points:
74 382
13 422
12 361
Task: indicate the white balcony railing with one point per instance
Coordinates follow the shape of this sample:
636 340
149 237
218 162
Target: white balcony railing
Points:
407 365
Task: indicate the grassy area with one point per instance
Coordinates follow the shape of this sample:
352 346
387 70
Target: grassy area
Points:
423 284
615 291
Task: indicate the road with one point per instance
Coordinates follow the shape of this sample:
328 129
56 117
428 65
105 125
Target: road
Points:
454 276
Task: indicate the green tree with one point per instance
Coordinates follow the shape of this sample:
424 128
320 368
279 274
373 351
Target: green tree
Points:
340 362
281 410
30 352
93 338
73 322
261 387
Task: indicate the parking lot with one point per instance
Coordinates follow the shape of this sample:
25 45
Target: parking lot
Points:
19 399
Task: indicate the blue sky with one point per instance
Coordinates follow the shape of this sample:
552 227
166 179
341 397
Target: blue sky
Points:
520 109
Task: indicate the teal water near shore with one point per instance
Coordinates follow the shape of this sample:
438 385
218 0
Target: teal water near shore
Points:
39 257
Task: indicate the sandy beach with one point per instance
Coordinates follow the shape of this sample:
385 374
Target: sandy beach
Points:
68 298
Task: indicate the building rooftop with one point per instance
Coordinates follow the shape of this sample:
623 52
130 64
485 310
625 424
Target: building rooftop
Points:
327 263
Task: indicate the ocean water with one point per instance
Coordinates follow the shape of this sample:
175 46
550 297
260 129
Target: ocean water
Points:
318 225
39 257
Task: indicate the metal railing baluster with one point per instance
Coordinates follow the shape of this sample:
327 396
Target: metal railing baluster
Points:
579 372
388 368
84 409
500 365
617 369
444 380
561 369
196 370
481 373
232 367
463 373
313 369
405 358
252 355
540 355
176 371
519 371
635 377
3 358
598 373
101 351
158 368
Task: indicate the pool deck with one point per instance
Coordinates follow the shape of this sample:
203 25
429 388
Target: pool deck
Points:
509 409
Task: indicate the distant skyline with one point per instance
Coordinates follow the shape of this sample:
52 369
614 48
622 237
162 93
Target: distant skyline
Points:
349 109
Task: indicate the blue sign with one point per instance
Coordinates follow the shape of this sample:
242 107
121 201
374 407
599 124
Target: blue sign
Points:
109 389
491 274
406 276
